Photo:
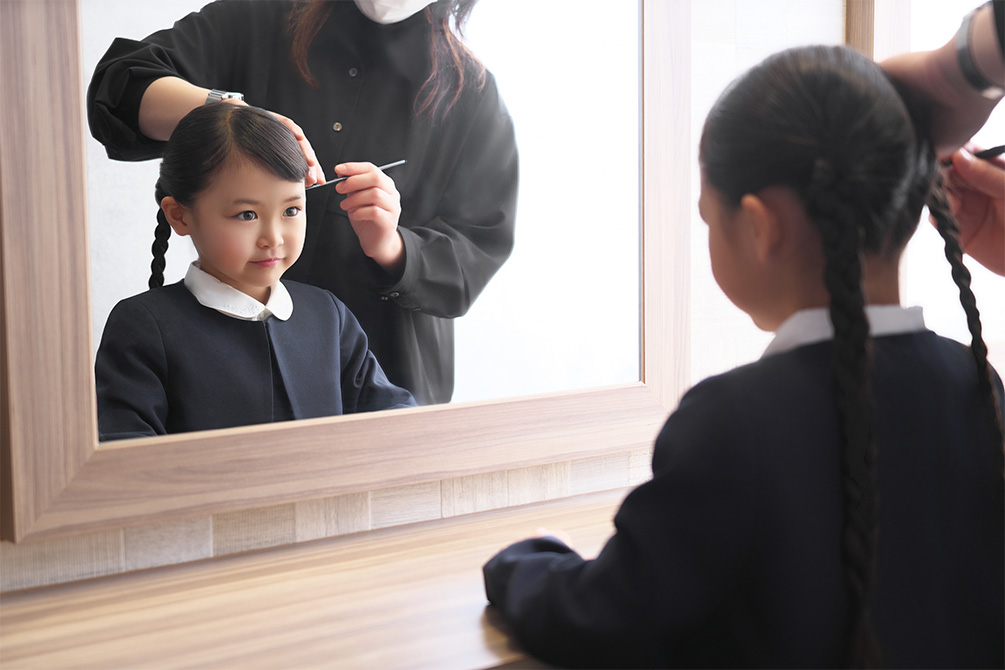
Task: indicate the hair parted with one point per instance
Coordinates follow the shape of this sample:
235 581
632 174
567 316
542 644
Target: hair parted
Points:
828 123
207 138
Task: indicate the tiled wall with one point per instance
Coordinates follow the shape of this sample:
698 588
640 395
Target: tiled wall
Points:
110 552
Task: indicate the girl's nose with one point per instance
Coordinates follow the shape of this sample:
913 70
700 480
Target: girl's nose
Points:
271 235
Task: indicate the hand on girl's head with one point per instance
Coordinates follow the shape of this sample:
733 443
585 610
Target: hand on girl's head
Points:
315 174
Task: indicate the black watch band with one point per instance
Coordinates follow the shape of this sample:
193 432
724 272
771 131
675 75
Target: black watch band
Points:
964 57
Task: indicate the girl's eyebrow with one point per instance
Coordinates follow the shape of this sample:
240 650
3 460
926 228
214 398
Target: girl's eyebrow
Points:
250 201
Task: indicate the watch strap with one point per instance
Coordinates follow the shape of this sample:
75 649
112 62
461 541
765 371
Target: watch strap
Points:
969 69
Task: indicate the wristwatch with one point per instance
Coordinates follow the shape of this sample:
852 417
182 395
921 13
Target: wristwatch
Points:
965 58
217 95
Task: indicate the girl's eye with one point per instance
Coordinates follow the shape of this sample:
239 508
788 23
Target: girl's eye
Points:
247 215
291 211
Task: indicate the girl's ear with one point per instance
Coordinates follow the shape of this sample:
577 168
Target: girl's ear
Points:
765 226
176 215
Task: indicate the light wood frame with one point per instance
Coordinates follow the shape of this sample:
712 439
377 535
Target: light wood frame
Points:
57 481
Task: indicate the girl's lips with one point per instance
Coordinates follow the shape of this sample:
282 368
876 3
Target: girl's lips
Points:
267 263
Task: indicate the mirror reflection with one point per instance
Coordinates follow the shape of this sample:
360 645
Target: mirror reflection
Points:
576 121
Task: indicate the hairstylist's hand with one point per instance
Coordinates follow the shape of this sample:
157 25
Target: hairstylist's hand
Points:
976 190
315 175
374 206
958 111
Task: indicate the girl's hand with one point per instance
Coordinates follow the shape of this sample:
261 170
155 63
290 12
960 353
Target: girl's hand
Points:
560 535
374 206
315 175
976 190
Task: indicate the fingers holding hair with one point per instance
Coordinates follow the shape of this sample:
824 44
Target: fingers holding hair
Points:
976 191
315 174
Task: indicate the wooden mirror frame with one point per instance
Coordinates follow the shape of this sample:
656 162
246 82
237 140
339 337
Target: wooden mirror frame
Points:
56 479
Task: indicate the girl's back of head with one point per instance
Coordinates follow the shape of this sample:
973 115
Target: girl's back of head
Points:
205 140
827 123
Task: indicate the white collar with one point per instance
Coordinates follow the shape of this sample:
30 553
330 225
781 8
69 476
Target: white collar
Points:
213 293
814 325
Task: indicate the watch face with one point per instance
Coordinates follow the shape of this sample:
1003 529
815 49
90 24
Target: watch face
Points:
216 95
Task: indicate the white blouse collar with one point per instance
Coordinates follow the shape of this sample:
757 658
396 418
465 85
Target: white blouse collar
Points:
213 293
814 325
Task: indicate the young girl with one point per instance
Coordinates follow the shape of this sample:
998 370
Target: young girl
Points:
232 345
839 501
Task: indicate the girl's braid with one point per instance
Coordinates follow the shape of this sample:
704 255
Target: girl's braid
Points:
948 228
851 362
159 248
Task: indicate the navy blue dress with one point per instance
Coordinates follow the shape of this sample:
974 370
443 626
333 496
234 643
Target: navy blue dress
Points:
731 554
167 364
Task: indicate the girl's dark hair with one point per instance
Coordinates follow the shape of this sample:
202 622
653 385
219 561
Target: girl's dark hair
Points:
205 139
454 66
827 122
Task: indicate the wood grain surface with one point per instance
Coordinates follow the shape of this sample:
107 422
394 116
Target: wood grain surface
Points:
404 597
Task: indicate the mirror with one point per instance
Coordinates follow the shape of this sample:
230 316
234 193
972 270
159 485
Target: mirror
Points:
56 480
577 240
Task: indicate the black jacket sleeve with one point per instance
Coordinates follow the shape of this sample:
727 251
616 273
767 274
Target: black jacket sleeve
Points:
365 387
450 258
213 48
680 544
129 369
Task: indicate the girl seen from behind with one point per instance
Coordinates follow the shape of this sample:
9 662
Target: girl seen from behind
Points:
231 344
841 500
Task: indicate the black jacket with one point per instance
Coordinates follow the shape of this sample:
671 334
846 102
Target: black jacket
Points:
167 364
731 555
458 188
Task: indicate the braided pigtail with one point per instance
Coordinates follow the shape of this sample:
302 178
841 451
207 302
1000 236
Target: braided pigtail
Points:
851 365
159 249
949 230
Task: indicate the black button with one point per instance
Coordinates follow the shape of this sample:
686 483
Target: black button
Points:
353 72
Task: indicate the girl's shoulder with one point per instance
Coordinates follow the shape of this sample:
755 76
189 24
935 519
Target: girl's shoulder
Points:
158 298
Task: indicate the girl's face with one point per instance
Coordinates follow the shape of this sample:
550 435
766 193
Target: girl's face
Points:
248 226
765 252
729 260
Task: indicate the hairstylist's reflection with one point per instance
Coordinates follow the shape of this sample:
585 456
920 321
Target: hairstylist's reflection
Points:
368 83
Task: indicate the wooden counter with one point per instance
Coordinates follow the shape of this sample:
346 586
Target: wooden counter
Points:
405 597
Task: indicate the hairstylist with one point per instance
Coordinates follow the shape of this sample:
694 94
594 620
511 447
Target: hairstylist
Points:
361 83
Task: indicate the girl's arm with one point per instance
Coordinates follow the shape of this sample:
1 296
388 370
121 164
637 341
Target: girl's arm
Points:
365 387
129 369
681 541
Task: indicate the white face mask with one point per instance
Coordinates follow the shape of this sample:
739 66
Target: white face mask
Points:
391 11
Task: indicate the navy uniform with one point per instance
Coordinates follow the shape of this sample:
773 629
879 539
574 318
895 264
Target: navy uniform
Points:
168 364
731 555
